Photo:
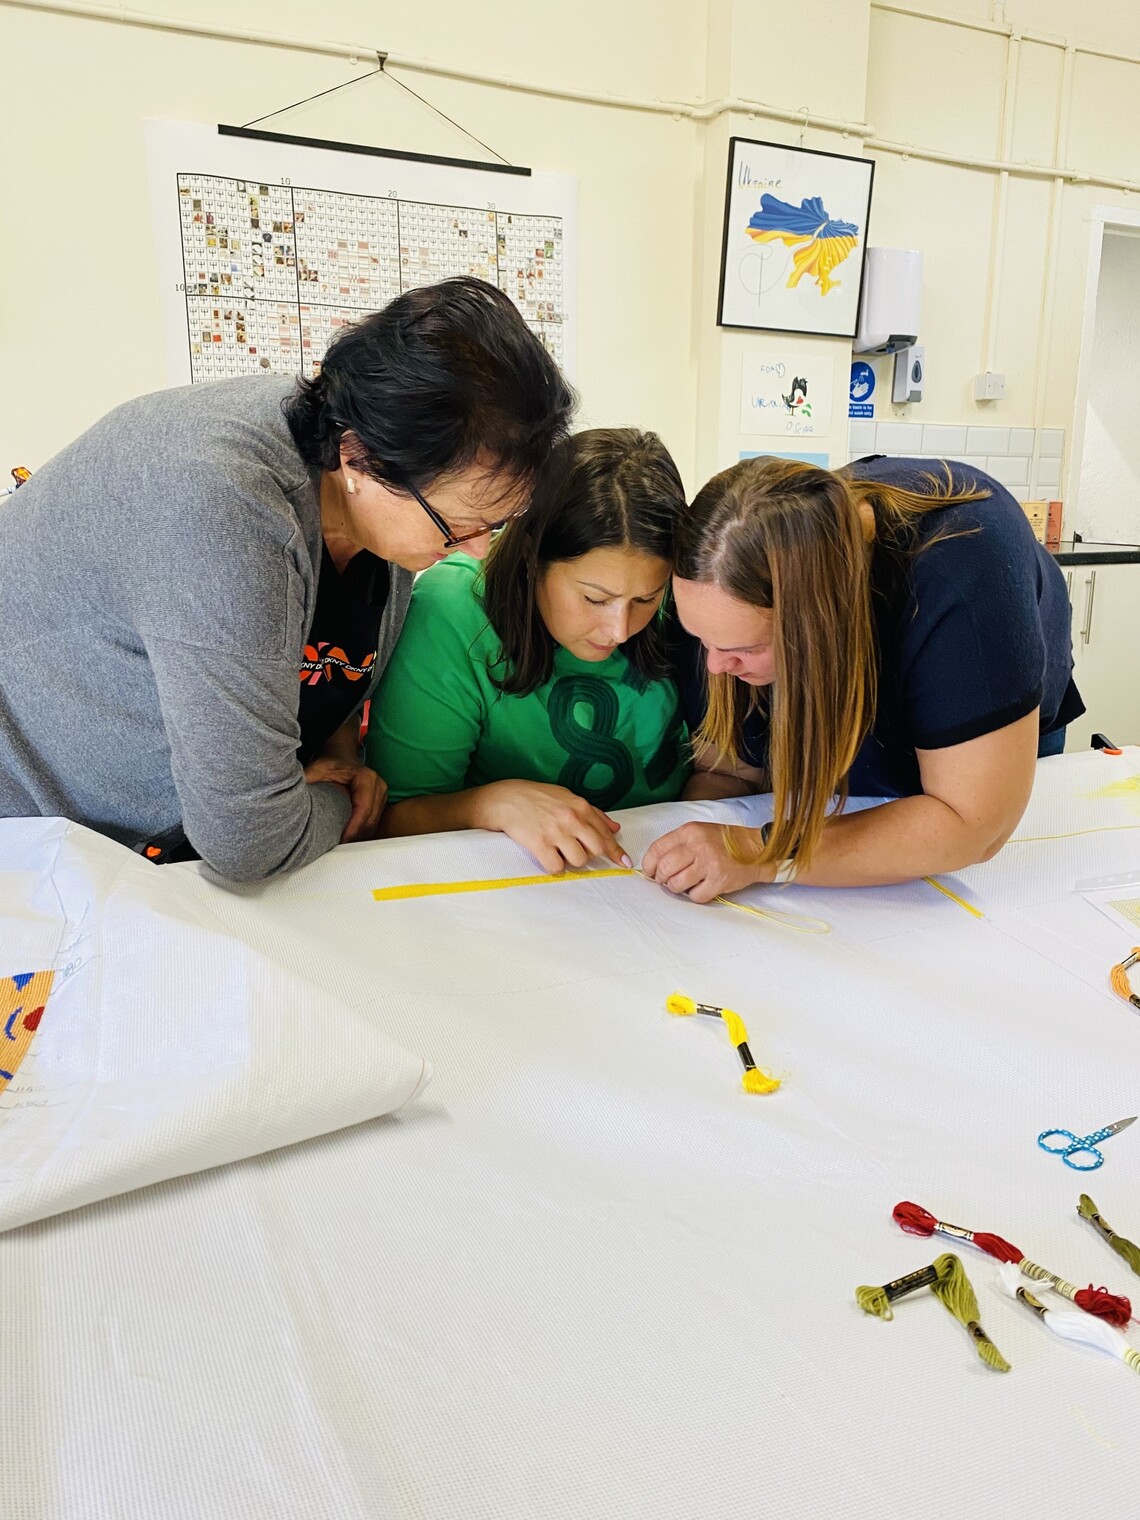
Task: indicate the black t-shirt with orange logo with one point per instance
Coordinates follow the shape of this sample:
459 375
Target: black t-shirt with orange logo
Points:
340 651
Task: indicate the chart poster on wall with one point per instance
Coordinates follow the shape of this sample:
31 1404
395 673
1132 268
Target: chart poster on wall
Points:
786 393
795 227
267 248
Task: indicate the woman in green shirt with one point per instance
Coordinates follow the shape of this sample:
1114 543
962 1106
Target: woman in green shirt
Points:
531 696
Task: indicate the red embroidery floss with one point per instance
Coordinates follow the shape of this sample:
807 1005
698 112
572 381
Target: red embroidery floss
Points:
916 1220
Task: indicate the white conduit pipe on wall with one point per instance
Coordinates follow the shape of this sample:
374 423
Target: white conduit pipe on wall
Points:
356 52
1049 283
680 110
997 240
1003 29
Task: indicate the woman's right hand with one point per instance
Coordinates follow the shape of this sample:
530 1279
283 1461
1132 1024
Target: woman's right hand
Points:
558 827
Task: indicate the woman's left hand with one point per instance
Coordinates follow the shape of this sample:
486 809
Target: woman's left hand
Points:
367 791
694 859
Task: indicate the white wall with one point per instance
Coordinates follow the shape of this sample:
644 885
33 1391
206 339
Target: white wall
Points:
79 324
943 87
1109 492
79 308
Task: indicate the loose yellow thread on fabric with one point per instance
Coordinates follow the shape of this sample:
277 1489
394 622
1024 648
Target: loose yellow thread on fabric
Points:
441 888
754 1080
1104 828
1125 790
953 896
801 923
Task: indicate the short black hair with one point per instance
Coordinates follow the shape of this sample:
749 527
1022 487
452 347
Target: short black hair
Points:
440 375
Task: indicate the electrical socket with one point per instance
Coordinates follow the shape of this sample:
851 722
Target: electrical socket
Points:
989 386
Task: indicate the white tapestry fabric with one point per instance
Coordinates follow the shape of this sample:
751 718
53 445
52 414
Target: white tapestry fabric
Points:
166 1043
586 1276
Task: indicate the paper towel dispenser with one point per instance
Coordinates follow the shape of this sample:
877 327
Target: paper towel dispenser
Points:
891 301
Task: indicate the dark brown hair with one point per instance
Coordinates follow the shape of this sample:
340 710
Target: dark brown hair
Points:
784 535
604 488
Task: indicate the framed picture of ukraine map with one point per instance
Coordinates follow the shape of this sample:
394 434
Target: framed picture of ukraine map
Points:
795 227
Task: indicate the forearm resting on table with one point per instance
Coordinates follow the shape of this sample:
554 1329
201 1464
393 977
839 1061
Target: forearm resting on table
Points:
900 841
434 814
973 798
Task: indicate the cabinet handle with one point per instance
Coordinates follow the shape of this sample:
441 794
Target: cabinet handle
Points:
1069 583
1090 597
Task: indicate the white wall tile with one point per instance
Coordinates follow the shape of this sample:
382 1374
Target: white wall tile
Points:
898 437
987 440
861 438
1048 472
1011 472
943 442
976 462
1021 440
1019 493
1052 443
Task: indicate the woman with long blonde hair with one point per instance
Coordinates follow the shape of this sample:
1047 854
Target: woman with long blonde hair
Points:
891 629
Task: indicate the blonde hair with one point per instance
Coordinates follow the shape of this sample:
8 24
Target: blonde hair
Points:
784 535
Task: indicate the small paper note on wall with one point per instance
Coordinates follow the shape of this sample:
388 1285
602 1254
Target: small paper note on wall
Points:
786 393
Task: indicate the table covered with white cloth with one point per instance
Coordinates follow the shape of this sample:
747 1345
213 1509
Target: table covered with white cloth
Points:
580 1272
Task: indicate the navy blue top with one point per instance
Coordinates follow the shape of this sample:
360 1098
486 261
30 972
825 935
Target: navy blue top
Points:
972 632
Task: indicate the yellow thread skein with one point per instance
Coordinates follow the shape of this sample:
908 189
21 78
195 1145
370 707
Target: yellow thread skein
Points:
754 1080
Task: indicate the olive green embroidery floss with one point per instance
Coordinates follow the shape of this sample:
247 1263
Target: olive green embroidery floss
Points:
946 1278
1087 1209
954 1289
879 1300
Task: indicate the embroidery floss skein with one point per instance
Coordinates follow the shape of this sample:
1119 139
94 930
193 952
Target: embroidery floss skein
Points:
1087 1209
946 1278
1119 978
916 1220
1069 1326
873 1300
754 1080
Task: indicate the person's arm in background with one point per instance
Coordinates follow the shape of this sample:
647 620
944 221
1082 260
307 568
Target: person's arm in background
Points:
424 727
713 780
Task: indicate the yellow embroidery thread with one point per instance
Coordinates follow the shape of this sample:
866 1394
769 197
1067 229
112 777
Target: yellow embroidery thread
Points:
441 888
953 896
754 1080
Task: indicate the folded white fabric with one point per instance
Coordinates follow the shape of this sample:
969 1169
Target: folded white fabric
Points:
140 1040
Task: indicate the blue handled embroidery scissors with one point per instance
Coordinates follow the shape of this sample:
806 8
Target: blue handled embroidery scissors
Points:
1081 1145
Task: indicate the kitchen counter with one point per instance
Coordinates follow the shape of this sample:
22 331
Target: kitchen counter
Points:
1089 553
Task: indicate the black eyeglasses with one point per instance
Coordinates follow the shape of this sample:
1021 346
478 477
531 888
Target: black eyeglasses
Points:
453 540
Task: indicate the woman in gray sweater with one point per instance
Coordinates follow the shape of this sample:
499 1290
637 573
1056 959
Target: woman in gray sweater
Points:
201 590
